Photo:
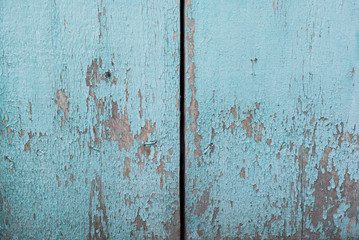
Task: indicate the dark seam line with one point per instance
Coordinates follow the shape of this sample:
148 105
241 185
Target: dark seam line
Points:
182 120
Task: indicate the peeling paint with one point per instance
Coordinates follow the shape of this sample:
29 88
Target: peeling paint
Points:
126 168
84 91
202 203
140 223
98 222
285 163
120 129
62 102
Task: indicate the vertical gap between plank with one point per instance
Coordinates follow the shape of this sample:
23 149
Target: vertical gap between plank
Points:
182 120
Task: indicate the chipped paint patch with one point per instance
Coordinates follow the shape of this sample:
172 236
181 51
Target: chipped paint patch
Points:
62 102
120 129
126 168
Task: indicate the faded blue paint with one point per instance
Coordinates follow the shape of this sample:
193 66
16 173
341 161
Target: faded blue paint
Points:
89 108
83 86
272 138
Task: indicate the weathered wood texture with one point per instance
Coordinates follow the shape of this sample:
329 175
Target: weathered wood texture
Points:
272 115
90 119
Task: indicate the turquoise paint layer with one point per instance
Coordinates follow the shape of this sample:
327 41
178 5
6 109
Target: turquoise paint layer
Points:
85 85
272 115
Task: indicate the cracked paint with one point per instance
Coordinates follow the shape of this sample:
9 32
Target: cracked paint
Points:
278 109
78 105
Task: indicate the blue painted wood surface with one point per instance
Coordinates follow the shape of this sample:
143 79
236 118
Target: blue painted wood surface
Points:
89 110
272 119
89 119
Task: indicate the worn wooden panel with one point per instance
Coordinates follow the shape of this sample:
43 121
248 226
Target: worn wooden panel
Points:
272 114
90 123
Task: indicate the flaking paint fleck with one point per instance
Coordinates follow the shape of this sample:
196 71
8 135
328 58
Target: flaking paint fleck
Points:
120 129
139 222
193 112
161 170
242 173
126 168
98 220
173 226
62 102
193 106
246 124
202 203
140 97
258 137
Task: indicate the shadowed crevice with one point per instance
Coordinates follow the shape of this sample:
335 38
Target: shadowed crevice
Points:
182 119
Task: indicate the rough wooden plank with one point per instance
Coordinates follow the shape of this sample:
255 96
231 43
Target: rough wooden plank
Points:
90 129
272 114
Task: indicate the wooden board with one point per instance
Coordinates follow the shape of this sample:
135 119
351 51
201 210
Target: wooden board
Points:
272 119
90 119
